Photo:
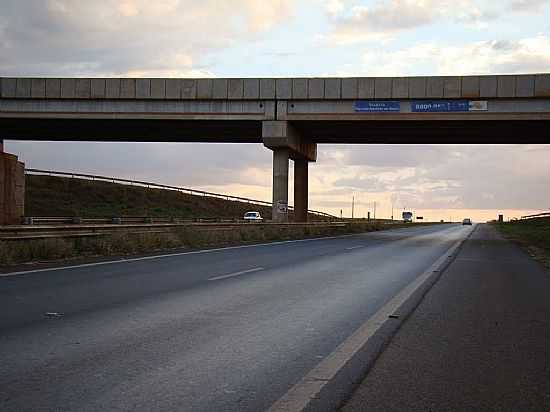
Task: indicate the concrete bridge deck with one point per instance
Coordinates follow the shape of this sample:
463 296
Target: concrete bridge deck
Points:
455 87
323 110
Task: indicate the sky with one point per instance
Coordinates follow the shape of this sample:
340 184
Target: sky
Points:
295 38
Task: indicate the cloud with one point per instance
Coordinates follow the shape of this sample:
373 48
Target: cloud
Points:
137 37
334 7
435 176
528 5
352 23
371 184
386 18
528 55
389 157
497 177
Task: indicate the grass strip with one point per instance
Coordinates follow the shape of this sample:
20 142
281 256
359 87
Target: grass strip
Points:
532 234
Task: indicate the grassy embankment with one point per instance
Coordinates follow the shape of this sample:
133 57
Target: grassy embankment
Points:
51 196
533 234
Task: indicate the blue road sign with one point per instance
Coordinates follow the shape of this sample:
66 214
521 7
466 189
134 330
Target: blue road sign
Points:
376 106
441 106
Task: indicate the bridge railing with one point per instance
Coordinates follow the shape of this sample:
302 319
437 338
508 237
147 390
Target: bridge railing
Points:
164 187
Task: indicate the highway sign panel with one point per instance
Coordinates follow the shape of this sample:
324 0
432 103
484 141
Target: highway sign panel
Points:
377 106
478 105
439 106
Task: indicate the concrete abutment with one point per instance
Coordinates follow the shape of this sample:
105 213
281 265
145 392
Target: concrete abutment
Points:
286 143
12 188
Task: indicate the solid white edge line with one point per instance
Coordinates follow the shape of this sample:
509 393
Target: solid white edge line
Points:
232 275
355 247
194 252
308 388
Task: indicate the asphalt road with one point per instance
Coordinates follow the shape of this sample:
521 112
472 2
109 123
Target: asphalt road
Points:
223 330
478 341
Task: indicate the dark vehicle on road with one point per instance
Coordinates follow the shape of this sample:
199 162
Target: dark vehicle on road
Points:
407 217
467 221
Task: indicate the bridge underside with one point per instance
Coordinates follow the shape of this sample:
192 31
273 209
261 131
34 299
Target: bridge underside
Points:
424 132
132 130
250 131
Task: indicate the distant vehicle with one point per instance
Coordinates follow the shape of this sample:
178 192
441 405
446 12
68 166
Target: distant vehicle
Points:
253 217
467 221
407 217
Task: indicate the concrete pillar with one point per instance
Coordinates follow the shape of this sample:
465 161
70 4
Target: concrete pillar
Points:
300 190
12 189
280 185
287 143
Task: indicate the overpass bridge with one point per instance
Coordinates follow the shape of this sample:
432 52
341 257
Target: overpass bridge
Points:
289 116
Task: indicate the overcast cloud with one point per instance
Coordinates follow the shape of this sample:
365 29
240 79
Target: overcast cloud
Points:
127 37
358 21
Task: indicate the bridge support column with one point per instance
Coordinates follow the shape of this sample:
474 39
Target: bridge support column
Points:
279 211
287 143
300 190
12 188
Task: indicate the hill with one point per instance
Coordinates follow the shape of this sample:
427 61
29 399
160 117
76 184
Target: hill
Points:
54 196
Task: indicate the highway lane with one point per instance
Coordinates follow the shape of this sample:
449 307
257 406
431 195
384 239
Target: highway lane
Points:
228 330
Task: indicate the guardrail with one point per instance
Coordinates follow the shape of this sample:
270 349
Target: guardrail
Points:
545 214
164 187
129 220
29 232
124 220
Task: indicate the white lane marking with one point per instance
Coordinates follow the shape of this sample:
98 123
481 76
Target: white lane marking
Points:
194 252
355 247
308 388
232 275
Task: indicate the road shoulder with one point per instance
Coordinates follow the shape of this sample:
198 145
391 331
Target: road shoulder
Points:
478 340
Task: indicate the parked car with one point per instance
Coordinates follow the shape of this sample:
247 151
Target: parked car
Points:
253 217
467 221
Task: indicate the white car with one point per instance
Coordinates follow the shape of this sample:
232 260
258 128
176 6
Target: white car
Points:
253 217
